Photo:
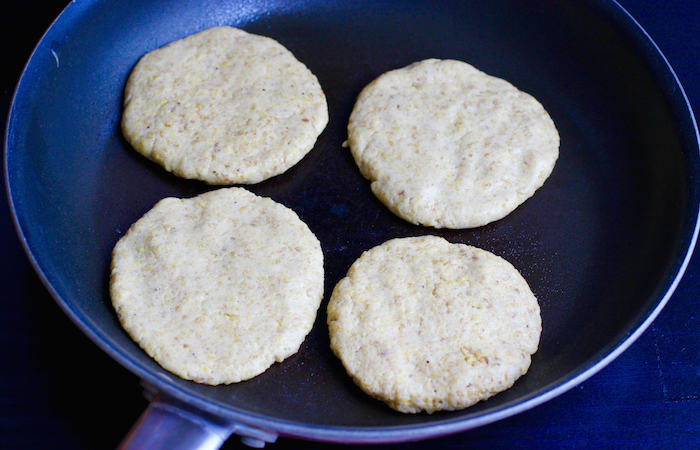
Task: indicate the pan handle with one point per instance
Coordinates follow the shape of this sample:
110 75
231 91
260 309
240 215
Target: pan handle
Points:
170 424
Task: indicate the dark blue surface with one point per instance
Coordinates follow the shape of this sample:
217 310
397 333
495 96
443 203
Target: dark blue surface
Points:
58 390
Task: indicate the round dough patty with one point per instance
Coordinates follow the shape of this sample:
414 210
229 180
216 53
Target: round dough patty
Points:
423 324
446 145
223 106
218 287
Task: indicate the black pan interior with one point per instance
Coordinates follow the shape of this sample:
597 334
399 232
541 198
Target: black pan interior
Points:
601 243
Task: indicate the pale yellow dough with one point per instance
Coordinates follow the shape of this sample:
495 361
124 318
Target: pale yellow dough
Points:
218 287
223 106
446 145
426 325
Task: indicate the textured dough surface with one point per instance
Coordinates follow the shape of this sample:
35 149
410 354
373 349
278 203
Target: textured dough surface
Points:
223 106
218 287
446 145
426 325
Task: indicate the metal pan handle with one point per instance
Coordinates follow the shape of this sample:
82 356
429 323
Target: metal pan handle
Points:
168 424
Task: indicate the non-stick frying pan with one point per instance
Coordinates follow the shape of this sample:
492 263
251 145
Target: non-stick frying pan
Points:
603 243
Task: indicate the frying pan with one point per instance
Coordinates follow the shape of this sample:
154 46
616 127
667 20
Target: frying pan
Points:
603 243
